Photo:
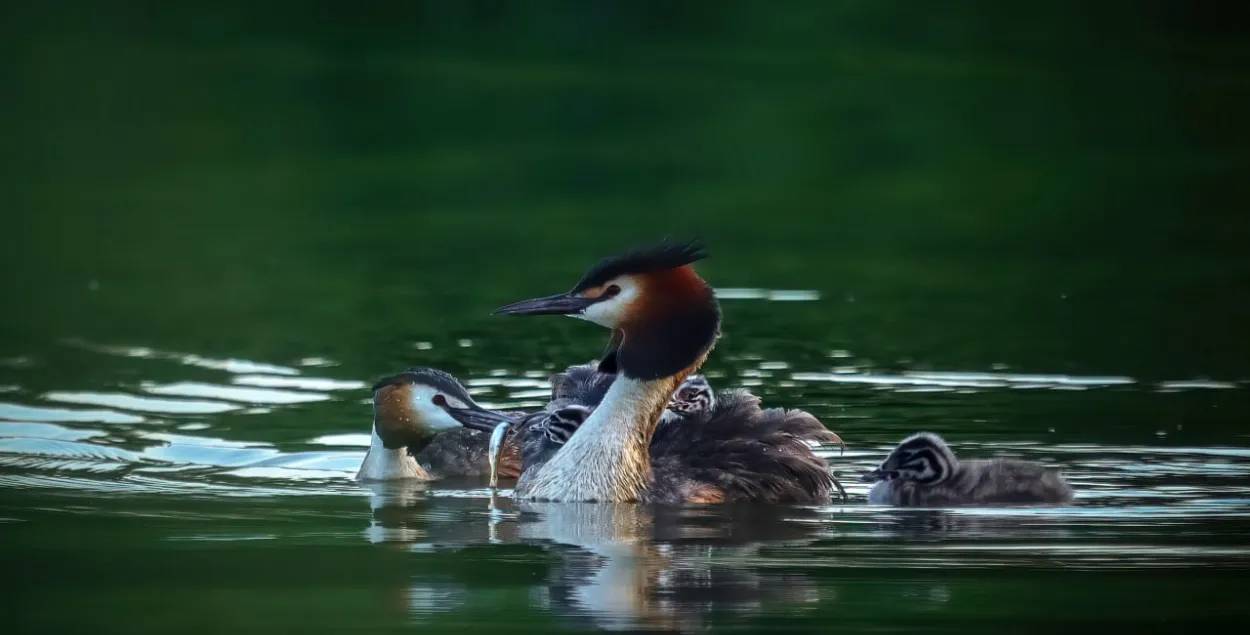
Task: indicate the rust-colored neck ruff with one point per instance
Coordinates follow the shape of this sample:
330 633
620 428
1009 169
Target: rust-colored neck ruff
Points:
671 327
667 338
396 421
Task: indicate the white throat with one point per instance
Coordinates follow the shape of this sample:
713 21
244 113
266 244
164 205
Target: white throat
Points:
608 459
381 464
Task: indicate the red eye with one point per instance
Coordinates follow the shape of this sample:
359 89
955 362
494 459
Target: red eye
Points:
439 400
611 291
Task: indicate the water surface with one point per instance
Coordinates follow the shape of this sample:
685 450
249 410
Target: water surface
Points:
1022 230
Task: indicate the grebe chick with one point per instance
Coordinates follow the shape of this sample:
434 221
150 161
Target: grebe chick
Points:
923 472
533 438
542 434
676 450
585 384
694 397
664 321
550 434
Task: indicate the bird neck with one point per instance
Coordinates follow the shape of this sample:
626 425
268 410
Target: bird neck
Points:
383 464
608 459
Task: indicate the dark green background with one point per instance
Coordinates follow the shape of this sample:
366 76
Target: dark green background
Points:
1058 187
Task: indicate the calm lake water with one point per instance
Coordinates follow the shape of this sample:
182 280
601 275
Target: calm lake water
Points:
1023 230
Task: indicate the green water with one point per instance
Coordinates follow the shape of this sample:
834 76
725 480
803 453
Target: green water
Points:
1023 228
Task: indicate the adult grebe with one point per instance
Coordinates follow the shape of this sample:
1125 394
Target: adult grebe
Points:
414 437
574 393
407 419
665 320
923 472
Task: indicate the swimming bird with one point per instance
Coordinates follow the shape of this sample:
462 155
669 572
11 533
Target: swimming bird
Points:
535 437
415 435
923 472
585 385
665 320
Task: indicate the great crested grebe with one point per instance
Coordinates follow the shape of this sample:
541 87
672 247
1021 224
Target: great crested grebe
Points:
520 441
575 392
415 438
585 385
665 320
923 472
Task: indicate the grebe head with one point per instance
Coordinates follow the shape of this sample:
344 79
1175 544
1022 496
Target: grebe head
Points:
921 458
694 396
664 317
409 408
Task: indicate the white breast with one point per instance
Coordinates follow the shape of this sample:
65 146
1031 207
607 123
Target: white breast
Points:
381 464
881 494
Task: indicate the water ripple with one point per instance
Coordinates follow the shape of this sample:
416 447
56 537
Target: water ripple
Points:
772 295
936 381
122 401
226 365
298 383
19 449
1133 500
19 412
35 430
233 393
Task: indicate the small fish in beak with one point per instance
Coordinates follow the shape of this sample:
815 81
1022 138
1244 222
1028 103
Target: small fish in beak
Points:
496 449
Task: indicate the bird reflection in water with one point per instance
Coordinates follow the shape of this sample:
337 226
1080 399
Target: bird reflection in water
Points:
636 567
613 566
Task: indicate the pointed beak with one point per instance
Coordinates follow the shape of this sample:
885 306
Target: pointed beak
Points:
478 418
874 476
559 304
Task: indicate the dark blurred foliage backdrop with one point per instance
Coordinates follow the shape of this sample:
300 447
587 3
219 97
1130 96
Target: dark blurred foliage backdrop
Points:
1059 186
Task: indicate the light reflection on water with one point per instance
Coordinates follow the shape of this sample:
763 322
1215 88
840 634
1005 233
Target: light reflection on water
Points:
30 432
1138 507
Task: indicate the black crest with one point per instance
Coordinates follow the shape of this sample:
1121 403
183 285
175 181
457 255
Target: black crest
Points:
658 257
